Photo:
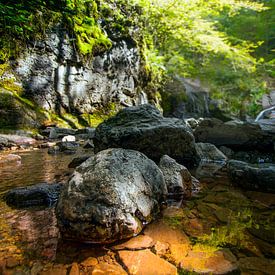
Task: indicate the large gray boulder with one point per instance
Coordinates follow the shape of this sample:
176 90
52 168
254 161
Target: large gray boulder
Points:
143 128
110 196
177 178
251 177
237 136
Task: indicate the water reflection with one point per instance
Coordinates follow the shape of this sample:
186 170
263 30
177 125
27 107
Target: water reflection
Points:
28 234
36 166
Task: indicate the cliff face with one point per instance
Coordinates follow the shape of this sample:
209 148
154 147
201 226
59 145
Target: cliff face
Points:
56 79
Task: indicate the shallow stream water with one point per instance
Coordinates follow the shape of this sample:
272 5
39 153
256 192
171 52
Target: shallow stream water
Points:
219 218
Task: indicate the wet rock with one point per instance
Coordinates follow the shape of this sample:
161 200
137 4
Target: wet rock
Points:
53 150
57 269
229 153
105 268
208 169
218 262
178 180
4 142
144 129
17 140
209 152
192 122
235 136
88 144
36 268
145 262
161 249
252 178
12 262
68 147
136 243
254 156
110 196
89 262
256 264
264 227
74 269
86 133
164 232
59 133
42 194
265 199
68 139
9 159
77 161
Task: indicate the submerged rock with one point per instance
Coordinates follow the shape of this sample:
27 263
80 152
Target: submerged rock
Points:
143 128
68 147
209 152
110 197
252 178
41 194
16 140
145 262
58 133
177 177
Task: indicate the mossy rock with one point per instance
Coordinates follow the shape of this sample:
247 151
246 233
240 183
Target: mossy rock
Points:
15 113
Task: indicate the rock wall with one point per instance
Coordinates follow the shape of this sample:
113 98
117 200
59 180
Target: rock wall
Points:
186 98
57 79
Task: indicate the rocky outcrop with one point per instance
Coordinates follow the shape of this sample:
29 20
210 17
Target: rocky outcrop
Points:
252 178
110 197
178 180
42 194
55 77
209 152
237 136
188 98
143 128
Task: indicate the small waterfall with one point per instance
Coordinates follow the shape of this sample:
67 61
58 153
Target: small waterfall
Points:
264 112
142 98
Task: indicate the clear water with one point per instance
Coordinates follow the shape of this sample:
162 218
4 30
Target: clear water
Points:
31 235
36 166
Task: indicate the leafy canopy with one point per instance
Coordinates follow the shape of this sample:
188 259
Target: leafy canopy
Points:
194 38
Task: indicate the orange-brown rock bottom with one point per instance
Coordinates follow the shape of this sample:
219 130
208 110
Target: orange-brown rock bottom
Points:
220 231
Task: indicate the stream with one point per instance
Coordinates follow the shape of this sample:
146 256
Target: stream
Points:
220 230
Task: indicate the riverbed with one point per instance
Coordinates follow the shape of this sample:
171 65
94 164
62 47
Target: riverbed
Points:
222 229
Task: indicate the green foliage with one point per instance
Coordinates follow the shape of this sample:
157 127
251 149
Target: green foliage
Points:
228 44
197 39
99 116
82 16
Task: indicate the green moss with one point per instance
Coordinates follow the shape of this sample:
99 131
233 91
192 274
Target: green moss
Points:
231 234
101 115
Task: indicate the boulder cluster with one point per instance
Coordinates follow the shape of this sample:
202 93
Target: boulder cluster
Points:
140 160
